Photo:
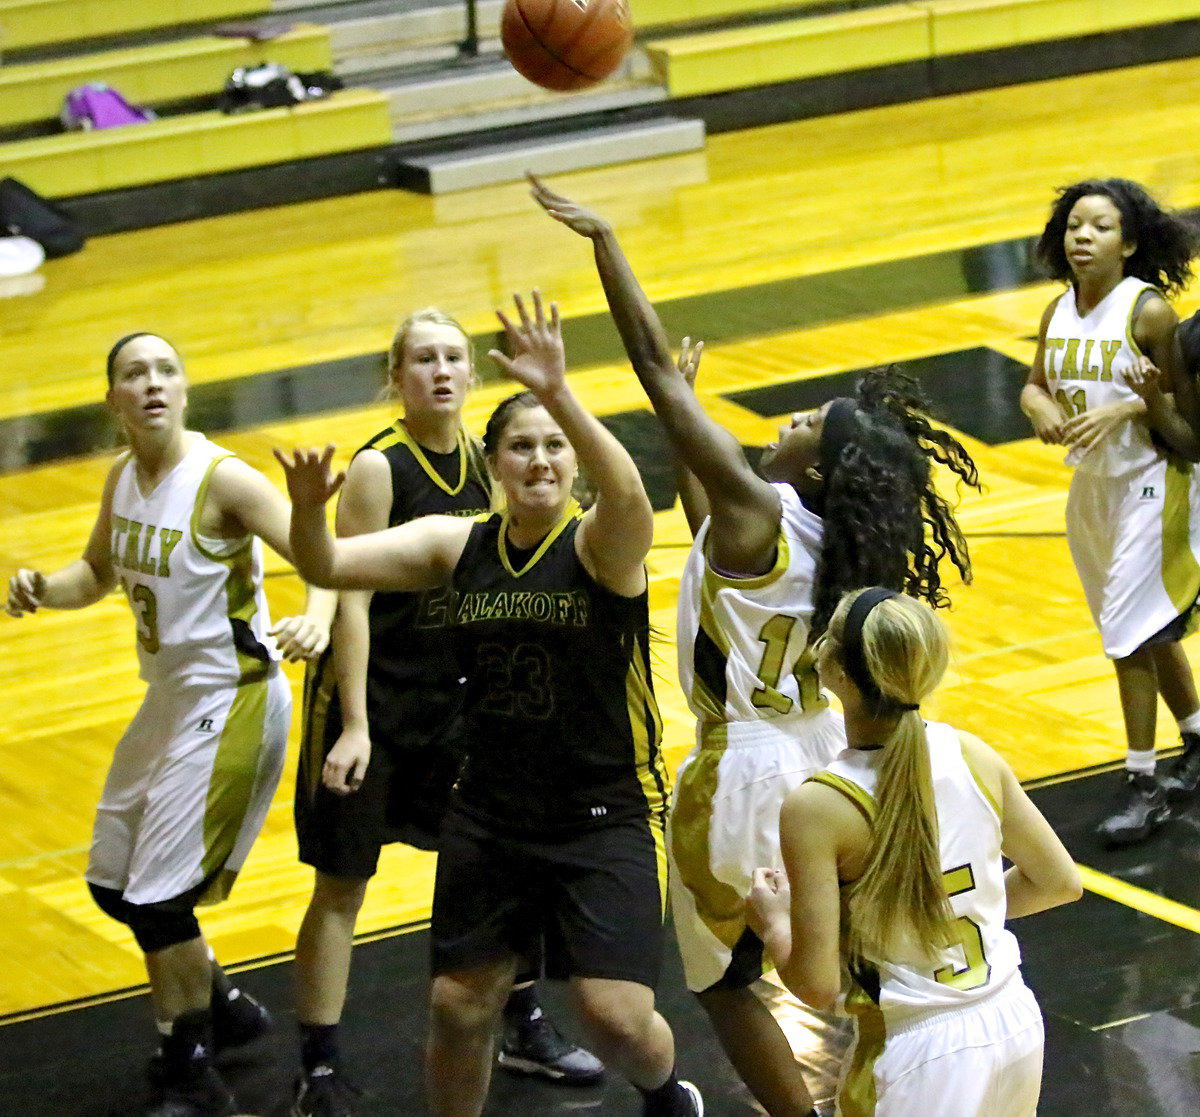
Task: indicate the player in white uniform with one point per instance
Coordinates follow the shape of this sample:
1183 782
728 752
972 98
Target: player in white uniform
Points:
1104 382
193 776
893 873
844 499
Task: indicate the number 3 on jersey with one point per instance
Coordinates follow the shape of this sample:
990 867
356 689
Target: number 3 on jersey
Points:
775 635
145 612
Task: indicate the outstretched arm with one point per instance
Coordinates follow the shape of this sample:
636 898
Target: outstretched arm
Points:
82 582
745 509
241 501
415 556
691 493
617 530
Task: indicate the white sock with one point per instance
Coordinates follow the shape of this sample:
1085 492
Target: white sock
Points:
1140 760
1191 723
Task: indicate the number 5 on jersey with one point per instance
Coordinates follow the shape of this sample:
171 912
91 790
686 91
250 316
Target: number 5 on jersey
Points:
978 970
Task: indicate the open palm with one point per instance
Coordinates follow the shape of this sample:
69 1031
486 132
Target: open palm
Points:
536 358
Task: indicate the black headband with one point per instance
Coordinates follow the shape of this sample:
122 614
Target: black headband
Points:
853 657
839 428
111 362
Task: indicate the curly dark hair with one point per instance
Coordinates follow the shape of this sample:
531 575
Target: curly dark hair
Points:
1165 242
885 523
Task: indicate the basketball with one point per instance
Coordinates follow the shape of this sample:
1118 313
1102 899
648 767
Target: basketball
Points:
566 44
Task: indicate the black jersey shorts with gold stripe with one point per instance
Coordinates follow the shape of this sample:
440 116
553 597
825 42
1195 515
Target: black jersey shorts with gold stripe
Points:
593 900
404 793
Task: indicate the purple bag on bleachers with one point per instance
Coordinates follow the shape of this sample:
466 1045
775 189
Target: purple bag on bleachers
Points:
97 105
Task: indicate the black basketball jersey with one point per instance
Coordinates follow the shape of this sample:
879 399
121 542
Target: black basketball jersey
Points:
412 674
564 730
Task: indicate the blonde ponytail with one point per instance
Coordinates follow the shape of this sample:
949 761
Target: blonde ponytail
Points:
899 905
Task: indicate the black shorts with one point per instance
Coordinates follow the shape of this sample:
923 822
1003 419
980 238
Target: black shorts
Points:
594 900
1173 631
403 797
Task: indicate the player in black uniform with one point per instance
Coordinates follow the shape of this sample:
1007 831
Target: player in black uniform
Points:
391 679
556 828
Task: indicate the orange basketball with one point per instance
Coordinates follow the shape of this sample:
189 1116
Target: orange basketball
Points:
566 44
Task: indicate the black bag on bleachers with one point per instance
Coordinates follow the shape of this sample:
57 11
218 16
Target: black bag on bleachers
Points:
270 86
25 213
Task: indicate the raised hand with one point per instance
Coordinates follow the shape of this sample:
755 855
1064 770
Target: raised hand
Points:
537 358
300 638
576 217
25 591
689 360
309 477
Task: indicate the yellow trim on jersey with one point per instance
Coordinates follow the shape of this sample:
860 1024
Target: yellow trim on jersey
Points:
859 796
198 508
702 699
1133 345
1180 570
658 831
231 784
320 683
856 1096
645 730
242 605
402 437
983 787
778 569
571 512
720 906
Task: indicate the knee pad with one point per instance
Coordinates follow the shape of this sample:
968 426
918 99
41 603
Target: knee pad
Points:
155 926
160 925
111 902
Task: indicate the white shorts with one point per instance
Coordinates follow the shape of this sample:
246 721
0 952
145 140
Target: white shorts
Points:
1135 541
981 1061
189 788
724 824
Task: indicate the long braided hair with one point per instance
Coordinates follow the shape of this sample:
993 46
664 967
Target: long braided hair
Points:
885 522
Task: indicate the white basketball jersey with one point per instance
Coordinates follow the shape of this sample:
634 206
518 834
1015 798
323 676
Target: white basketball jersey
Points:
743 642
198 603
987 954
1086 359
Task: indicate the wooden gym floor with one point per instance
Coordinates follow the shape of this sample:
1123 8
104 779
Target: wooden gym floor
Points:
801 253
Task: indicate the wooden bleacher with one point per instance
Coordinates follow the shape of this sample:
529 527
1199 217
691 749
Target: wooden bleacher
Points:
26 24
866 38
669 13
164 63
155 74
205 143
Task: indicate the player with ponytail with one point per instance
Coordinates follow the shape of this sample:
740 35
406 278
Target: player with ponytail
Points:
893 855
844 498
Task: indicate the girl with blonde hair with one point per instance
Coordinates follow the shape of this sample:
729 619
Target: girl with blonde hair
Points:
384 734
893 874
